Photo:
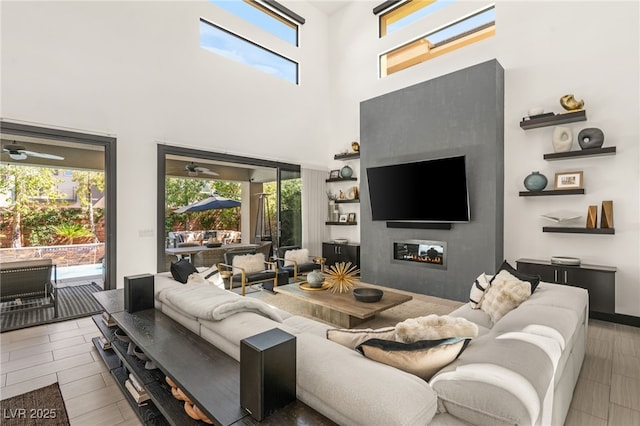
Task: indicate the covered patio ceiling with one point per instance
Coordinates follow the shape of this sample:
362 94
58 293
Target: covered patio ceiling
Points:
79 156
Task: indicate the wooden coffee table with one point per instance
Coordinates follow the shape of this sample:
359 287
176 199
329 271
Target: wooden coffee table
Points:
342 309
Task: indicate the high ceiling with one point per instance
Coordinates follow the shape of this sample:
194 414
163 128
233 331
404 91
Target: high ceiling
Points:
329 6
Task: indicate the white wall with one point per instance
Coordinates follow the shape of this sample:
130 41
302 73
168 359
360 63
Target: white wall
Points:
548 49
135 70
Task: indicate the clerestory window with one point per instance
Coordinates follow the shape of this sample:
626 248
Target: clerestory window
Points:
466 30
266 15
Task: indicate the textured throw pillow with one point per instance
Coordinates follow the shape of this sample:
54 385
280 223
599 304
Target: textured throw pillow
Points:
181 270
434 327
534 280
478 288
249 262
423 358
299 256
505 294
351 338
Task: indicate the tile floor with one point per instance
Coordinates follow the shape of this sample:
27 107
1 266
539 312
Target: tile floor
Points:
608 390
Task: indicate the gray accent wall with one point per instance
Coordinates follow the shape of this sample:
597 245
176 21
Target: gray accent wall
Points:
461 113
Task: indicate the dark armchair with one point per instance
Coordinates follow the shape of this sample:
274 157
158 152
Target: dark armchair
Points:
296 267
239 267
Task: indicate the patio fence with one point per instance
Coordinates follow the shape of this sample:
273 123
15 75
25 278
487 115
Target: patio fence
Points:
68 255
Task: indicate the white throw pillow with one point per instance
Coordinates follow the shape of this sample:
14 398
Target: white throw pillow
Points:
249 262
212 276
478 290
505 294
300 256
433 327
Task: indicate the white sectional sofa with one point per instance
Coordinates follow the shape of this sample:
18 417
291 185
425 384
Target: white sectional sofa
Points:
521 370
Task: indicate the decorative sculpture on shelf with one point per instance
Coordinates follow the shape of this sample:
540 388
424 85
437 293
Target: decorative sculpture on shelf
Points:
535 181
562 139
355 146
569 103
590 138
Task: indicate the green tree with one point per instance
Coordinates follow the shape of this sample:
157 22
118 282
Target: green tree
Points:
86 181
181 192
32 188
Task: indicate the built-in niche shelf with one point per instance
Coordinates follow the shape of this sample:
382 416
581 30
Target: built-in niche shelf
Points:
575 230
347 201
341 223
553 120
348 156
552 192
610 150
339 179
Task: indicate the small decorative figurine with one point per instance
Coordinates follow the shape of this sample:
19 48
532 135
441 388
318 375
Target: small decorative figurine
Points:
569 103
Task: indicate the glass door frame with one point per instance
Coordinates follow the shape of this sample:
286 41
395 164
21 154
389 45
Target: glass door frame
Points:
165 150
109 145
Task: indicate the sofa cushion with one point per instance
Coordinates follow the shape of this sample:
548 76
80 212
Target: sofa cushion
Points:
432 327
181 270
299 256
505 380
478 289
249 262
506 293
306 325
423 358
352 390
533 280
476 316
351 338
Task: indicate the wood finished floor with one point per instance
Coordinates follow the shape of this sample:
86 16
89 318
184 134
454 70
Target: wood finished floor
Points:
607 393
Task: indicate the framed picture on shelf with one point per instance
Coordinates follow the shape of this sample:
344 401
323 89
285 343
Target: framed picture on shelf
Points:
568 180
343 218
334 174
351 217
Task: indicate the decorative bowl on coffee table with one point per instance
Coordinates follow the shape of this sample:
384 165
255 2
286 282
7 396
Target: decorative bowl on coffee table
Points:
367 295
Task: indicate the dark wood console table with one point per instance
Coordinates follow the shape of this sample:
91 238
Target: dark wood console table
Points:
208 376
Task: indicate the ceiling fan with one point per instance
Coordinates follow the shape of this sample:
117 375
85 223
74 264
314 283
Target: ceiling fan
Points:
19 152
193 170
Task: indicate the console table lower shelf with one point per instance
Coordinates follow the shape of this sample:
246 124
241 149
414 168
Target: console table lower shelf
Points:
209 377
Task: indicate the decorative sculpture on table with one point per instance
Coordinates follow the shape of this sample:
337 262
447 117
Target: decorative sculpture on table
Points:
341 276
569 103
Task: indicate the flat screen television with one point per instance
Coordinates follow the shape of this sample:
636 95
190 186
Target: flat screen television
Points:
423 191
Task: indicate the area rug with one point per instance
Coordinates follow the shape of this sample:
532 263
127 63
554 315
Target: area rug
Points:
420 305
73 302
43 406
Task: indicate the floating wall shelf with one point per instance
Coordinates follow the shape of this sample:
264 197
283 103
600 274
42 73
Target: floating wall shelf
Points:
552 192
610 150
347 201
553 120
572 230
349 156
341 223
341 179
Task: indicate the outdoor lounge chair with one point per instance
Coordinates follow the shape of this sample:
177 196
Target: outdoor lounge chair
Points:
27 283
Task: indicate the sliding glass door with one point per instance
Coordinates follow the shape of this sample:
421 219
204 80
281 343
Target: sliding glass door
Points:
268 194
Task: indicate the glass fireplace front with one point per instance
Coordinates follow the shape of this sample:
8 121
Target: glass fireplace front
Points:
419 252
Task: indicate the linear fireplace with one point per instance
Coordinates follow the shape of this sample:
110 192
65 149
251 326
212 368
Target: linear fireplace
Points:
420 252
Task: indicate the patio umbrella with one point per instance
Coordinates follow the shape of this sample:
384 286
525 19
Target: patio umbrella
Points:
212 202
